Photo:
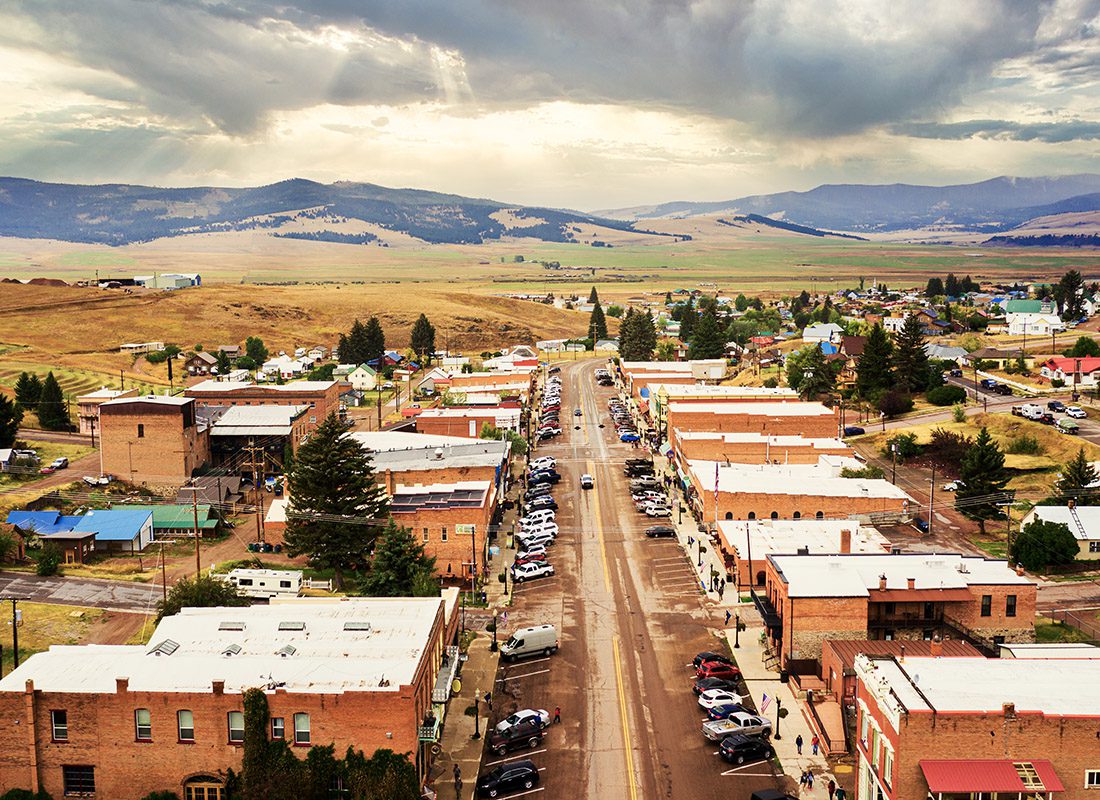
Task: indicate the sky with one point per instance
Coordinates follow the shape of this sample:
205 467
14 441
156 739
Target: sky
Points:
585 104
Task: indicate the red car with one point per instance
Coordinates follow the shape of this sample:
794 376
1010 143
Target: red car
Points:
716 669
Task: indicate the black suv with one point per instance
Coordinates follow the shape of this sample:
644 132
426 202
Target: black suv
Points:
740 749
508 778
527 733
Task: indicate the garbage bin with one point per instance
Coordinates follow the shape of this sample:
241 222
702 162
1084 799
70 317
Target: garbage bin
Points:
784 676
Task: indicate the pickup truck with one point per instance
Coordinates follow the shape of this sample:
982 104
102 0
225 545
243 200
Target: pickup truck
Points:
737 723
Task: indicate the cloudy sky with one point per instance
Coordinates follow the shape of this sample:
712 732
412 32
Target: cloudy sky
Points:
581 103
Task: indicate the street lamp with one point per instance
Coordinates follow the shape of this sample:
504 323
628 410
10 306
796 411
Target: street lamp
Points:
493 646
778 716
737 627
477 720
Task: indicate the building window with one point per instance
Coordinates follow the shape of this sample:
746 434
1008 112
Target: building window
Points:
729 515
1092 779
236 726
443 534
987 605
864 728
819 515
301 729
1094 547
204 787
186 723
927 634
775 515
874 748
752 515
1010 605
929 610
141 431
59 724
143 725
78 780
797 515
888 766
425 534
890 609
278 728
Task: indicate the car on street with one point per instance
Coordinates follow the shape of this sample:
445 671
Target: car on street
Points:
587 481
1057 406
658 511
576 412
718 697
853 430
952 486
531 552
525 541
1076 412
540 715
629 436
739 749
703 684
645 482
49 469
955 373
709 655
527 734
716 669
60 463
532 570
656 531
1047 419
724 710
637 471
739 722
546 501
543 462
538 516
514 776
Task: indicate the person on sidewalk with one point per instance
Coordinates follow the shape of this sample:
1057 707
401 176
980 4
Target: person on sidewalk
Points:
840 793
489 700
458 781
557 714
798 743
831 786
809 780
814 742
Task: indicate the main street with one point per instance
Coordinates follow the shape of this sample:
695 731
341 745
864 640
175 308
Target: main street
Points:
630 619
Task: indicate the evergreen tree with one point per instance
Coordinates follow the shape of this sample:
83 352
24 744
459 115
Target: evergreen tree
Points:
873 370
708 341
910 360
951 286
374 340
423 339
688 318
353 346
1077 476
983 480
254 349
934 288
592 296
668 298
647 335
1042 544
1069 295
597 323
809 373
52 413
1084 347
741 303
224 365
10 417
399 567
628 333
968 285
28 390
336 507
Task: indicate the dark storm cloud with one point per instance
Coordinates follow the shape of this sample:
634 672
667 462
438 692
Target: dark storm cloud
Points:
813 69
1052 132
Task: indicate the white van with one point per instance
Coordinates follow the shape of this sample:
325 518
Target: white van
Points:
539 640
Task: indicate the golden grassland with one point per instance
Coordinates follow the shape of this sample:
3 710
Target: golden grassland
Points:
45 624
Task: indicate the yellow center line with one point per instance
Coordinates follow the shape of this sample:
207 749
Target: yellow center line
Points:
628 752
595 495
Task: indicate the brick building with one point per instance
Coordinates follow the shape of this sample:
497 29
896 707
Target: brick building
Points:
791 491
153 440
120 721
810 420
753 448
838 658
469 460
661 394
467 422
450 519
953 728
87 407
322 397
810 598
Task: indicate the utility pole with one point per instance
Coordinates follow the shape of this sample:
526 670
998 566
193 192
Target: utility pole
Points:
15 632
894 464
195 511
379 398
163 575
931 499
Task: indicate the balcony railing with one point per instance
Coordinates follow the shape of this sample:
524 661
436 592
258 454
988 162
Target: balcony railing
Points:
441 692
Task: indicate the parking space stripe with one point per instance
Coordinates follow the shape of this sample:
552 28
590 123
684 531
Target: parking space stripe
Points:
519 757
524 675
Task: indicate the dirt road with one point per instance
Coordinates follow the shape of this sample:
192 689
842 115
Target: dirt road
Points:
630 619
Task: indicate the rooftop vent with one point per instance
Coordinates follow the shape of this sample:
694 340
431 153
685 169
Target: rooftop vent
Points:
231 626
165 648
292 626
232 650
288 650
356 626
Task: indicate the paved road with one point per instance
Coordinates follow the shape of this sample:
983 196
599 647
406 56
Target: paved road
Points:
113 595
631 618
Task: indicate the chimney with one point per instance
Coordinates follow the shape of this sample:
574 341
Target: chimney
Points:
218 687
911 583
389 482
1020 570
1010 710
122 685
845 541
882 583
901 657
935 647
1071 503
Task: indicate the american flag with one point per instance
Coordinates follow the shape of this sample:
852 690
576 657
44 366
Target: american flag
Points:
716 486
765 701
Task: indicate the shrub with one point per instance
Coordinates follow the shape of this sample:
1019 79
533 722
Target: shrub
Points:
25 794
958 413
892 402
49 559
1057 383
161 796
903 444
946 395
1024 444
948 447
870 471
771 383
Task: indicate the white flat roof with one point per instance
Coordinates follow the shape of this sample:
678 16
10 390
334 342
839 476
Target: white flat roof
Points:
1052 650
234 386
857 574
385 441
820 480
326 657
473 411
755 409
1069 687
158 399
773 536
105 393
706 390
753 437
243 420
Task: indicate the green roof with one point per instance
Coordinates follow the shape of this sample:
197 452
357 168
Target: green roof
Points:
1024 306
174 517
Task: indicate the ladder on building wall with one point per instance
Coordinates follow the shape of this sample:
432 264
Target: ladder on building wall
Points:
1077 521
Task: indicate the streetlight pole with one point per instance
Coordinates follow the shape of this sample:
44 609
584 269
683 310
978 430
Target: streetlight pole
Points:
778 716
737 626
477 720
15 632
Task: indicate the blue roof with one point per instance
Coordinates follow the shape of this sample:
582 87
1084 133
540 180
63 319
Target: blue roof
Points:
114 525
42 522
828 349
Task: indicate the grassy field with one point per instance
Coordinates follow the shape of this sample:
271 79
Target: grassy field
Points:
46 624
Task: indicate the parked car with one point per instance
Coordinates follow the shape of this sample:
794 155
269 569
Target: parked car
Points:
511 777
587 481
531 552
544 462
703 684
1056 405
718 697
49 469
853 430
1075 412
658 511
952 486
1065 425
955 373
655 531
629 436
60 463
533 641
739 722
708 655
988 383
716 669
1047 419
544 515
724 710
528 540
540 715
546 501
532 570
527 734
1002 389
742 749
102 480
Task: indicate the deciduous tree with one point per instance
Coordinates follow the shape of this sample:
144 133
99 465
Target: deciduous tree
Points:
202 591
1041 544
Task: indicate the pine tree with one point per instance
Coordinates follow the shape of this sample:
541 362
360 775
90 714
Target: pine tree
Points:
934 288
647 335
1069 295
356 344
52 413
951 286
10 417
741 303
423 339
28 391
983 479
708 341
668 298
254 349
597 323
688 318
374 340
399 567
336 507
628 335
873 370
224 365
910 360
593 297
637 336
1077 476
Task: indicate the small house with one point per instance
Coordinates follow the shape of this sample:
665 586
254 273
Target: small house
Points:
200 363
363 378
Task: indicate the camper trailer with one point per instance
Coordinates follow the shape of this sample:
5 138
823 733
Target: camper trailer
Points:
266 583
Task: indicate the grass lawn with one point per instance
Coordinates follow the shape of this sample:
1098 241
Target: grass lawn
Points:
47 452
1049 632
45 624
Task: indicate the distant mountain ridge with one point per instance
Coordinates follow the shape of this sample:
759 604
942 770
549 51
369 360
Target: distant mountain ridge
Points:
118 214
990 206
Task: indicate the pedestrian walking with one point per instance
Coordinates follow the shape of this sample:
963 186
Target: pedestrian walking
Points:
721 588
489 700
840 793
802 779
809 780
557 714
728 616
798 743
814 742
831 786
458 781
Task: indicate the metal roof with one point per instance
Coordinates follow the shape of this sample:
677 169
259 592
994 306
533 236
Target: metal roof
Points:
967 776
114 525
465 494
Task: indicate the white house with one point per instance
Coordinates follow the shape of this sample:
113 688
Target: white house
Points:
1083 522
827 332
892 324
1028 324
362 378
285 366
317 354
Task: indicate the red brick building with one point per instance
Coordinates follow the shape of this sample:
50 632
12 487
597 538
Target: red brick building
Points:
119 721
838 658
810 598
809 420
753 448
322 397
954 728
467 421
153 440
450 519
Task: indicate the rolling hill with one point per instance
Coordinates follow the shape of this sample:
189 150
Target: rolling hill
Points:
344 212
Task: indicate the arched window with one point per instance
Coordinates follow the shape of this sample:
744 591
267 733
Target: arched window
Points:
752 515
760 578
797 515
729 515
819 515
775 515
203 787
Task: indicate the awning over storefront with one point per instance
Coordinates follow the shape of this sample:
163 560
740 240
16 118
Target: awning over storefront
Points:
962 776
